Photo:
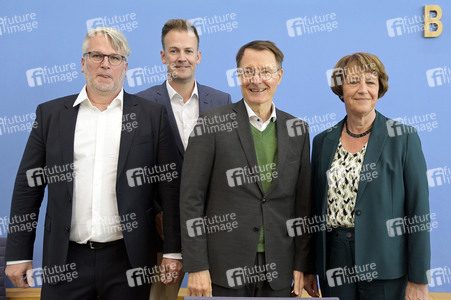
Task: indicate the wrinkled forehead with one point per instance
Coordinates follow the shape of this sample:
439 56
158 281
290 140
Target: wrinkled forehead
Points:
258 58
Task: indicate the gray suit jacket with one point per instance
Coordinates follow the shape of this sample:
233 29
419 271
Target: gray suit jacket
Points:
209 189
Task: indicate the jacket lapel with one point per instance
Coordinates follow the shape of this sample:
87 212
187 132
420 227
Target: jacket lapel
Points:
204 102
130 106
68 120
376 143
245 137
162 97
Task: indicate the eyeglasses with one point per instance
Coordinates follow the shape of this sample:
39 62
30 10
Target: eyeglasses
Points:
264 74
97 57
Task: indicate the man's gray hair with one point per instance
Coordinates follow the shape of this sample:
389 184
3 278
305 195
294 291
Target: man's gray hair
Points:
117 39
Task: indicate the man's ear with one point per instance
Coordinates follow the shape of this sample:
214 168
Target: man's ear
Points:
199 54
83 64
163 57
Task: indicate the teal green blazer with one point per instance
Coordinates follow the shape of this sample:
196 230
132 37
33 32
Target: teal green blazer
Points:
395 186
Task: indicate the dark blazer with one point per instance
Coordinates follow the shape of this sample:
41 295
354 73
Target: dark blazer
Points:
399 189
52 143
205 191
208 98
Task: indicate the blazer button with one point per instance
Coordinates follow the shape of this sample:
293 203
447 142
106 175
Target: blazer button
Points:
358 212
264 200
256 229
67 228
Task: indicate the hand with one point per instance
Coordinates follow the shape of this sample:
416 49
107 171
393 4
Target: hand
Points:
417 291
311 285
199 284
16 273
171 270
298 278
159 224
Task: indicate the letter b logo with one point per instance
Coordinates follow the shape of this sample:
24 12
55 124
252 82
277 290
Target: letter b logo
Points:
432 22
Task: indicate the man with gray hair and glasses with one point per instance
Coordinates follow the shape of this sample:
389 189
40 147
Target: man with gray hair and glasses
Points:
97 152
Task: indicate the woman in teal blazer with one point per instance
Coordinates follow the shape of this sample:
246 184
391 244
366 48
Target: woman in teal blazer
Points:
371 194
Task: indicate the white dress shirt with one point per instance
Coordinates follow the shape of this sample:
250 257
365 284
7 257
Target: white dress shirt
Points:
186 114
95 215
256 121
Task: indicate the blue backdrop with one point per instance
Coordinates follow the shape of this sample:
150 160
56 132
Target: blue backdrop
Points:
41 54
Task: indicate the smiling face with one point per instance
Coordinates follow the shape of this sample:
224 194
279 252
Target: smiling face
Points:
103 78
255 89
360 91
180 54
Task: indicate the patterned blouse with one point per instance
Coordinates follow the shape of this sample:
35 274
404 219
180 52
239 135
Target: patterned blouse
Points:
343 178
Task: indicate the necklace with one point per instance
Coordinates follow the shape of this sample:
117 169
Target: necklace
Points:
357 135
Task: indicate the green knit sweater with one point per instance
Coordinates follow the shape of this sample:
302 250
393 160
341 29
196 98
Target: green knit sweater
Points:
266 149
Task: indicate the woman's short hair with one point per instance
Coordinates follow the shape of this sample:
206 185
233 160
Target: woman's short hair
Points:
365 62
117 39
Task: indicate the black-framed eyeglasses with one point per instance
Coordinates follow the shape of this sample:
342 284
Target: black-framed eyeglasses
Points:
98 57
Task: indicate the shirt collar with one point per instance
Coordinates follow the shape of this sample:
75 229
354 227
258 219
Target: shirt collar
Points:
83 97
173 92
253 115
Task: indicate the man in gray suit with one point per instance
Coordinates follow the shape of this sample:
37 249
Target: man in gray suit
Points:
244 176
184 99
